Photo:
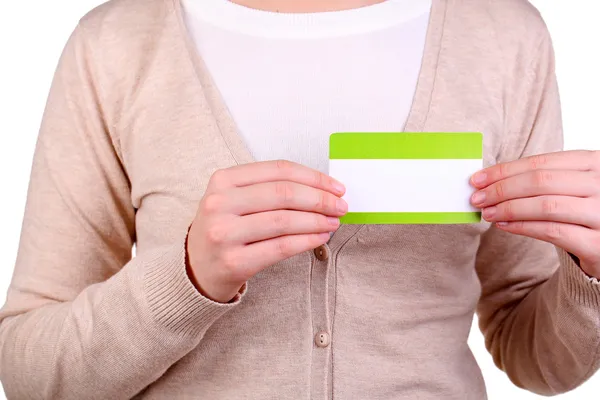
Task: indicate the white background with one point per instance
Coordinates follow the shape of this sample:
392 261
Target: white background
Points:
33 33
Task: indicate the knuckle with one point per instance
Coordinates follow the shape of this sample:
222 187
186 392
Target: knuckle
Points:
319 179
321 202
503 171
281 222
549 207
218 178
554 231
216 234
499 189
283 247
284 192
538 161
519 225
230 262
508 210
541 179
283 166
321 223
211 203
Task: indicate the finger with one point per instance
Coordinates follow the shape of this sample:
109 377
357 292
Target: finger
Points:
260 255
572 210
575 239
283 196
576 160
267 225
272 171
536 183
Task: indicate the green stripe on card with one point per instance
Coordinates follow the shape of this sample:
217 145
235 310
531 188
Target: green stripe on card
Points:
405 145
411 218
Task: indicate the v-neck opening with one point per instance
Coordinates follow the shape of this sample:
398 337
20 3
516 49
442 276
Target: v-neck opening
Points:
417 116
419 108
225 122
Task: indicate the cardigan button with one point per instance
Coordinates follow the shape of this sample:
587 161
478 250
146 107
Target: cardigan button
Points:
322 339
322 253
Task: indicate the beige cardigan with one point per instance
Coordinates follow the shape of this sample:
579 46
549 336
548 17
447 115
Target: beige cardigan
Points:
132 132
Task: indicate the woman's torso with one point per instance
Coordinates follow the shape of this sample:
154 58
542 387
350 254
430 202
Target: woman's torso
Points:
397 301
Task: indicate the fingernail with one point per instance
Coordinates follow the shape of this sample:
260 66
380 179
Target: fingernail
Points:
341 206
479 178
478 198
489 212
338 187
333 221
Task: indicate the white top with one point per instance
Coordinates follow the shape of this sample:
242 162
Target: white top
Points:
290 80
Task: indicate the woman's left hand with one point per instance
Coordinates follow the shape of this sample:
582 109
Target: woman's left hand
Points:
553 197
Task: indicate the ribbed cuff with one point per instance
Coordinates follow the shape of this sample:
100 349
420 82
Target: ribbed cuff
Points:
174 301
580 287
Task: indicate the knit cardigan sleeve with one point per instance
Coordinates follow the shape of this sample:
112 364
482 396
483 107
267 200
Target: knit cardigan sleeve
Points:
78 301
539 312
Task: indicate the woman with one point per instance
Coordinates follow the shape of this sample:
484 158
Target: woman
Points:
158 132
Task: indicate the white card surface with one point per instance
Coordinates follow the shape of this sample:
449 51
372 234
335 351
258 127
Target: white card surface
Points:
407 178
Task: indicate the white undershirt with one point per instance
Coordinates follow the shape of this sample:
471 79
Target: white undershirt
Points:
290 80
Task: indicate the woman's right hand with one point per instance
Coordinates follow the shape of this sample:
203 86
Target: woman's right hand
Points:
255 215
